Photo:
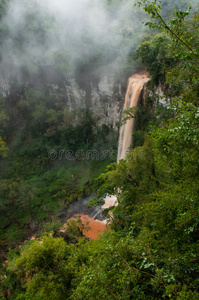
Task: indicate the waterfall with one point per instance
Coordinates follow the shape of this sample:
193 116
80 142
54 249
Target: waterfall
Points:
135 88
135 91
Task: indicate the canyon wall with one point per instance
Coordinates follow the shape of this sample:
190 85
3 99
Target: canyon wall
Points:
104 96
105 99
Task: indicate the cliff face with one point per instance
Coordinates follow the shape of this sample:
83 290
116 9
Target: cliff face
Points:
103 96
105 99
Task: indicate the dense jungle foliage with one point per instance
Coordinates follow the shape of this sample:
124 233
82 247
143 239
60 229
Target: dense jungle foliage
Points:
44 145
151 248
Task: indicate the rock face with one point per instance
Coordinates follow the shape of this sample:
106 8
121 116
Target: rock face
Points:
103 95
104 99
160 95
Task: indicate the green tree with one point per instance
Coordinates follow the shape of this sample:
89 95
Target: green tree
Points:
3 148
154 55
44 270
182 50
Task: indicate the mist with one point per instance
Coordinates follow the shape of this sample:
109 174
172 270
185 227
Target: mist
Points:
86 36
68 34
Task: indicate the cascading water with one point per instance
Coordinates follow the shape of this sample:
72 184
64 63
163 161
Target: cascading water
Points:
134 92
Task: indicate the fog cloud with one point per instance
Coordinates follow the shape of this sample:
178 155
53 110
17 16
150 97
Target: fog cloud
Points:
70 32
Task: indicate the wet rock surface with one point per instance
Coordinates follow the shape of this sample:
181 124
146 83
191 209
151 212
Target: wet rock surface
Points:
81 207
